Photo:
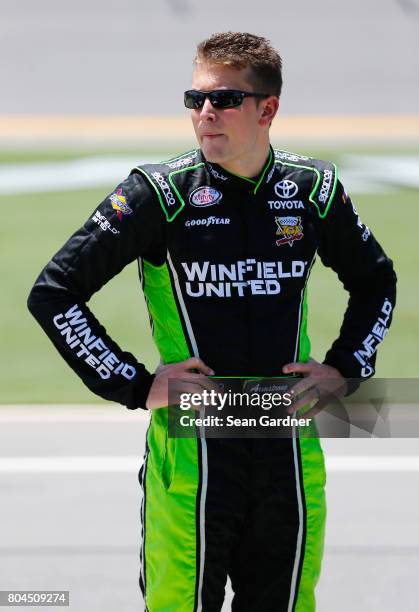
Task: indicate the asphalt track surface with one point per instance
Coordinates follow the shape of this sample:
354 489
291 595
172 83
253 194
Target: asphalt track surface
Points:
131 57
69 516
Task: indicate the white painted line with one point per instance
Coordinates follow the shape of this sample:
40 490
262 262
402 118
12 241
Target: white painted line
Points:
79 465
383 170
360 173
68 413
84 173
140 416
368 463
131 464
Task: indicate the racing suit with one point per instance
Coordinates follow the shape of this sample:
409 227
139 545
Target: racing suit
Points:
224 262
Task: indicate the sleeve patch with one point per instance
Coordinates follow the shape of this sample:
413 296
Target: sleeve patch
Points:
119 203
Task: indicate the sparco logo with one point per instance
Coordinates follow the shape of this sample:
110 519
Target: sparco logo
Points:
286 189
170 199
325 188
205 196
208 221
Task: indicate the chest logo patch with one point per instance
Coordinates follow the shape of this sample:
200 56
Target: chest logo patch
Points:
205 196
290 229
286 189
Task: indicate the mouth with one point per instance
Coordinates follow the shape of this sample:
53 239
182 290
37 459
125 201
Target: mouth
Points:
211 136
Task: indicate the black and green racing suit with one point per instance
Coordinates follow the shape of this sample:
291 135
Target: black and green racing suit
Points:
224 263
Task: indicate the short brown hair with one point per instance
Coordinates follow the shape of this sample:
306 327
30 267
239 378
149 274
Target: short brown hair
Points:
243 50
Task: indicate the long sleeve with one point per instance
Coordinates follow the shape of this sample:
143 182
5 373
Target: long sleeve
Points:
128 224
350 249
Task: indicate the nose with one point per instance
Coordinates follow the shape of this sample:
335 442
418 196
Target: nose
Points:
208 112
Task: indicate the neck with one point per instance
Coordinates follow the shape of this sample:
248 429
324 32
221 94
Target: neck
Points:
250 167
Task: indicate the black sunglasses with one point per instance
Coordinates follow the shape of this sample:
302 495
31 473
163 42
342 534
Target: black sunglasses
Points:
219 98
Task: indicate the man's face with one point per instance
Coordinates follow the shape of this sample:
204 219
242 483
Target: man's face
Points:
226 136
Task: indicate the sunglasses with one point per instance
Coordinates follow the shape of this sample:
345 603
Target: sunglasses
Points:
219 98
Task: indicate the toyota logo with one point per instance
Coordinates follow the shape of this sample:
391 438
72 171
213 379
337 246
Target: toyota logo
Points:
286 189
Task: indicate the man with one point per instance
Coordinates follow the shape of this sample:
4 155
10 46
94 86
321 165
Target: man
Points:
225 237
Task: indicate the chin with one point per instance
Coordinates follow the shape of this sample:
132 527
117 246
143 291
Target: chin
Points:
213 154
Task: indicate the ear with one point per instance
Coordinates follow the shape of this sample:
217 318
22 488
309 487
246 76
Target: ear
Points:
269 107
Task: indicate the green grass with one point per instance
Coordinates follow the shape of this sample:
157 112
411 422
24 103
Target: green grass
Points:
393 219
34 226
